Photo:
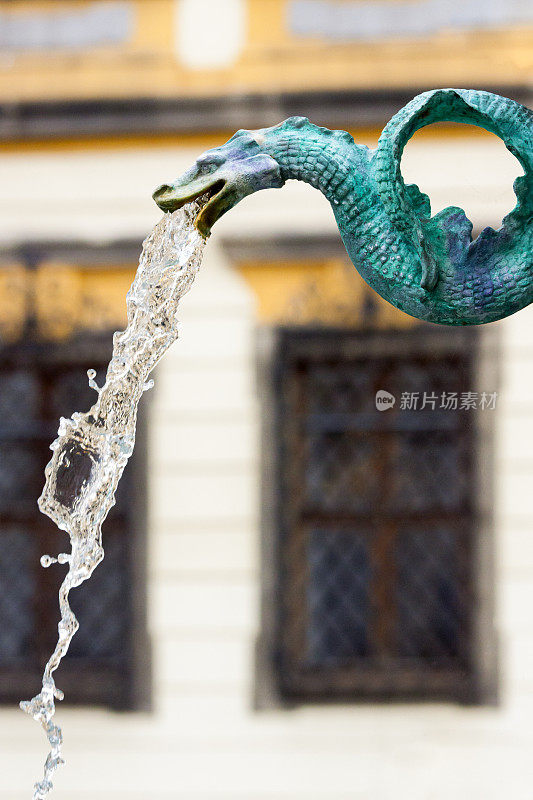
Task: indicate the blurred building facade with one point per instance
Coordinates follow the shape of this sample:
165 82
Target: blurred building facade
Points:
302 596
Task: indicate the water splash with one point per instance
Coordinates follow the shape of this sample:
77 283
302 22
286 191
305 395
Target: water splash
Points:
93 448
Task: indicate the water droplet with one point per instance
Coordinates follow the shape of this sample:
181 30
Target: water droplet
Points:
91 374
46 561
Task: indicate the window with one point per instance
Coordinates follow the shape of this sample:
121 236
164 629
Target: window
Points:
371 517
66 29
39 382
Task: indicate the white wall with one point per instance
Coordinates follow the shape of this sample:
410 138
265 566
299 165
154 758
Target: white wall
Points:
203 742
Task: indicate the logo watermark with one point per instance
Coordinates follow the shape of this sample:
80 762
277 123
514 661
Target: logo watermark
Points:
431 401
384 400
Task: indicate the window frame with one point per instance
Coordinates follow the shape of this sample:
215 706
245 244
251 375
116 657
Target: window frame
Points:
274 686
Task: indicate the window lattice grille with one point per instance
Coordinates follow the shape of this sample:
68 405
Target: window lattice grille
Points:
376 518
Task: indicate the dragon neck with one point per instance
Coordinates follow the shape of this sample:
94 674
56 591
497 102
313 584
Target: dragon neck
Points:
331 162
328 160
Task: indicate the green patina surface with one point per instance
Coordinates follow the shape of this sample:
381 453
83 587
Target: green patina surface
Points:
427 266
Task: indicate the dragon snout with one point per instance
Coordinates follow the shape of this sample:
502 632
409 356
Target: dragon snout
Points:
161 191
163 196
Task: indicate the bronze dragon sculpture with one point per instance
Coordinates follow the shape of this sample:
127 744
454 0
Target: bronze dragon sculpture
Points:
427 266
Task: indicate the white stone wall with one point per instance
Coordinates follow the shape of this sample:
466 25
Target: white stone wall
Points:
203 741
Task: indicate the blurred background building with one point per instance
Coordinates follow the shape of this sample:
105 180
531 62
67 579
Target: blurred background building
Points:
302 596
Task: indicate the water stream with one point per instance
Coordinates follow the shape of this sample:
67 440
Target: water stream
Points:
92 448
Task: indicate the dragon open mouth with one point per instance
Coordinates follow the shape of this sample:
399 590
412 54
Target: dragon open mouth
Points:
169 198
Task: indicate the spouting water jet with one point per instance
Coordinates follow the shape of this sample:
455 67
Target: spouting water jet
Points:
93 448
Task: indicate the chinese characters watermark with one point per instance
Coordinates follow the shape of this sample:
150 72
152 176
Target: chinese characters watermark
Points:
431 401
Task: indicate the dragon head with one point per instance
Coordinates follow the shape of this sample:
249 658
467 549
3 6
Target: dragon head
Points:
227 174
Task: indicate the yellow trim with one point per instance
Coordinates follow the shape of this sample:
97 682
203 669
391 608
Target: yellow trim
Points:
64 299
13 301
204 141
327 292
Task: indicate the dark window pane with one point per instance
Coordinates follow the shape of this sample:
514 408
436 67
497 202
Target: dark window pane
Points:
17 564
70 391
19 397
341 387
427 593
102 607
423 374
429 472
337 596
342 472
21 478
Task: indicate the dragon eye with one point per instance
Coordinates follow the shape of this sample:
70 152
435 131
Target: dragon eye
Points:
204 168
208 163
